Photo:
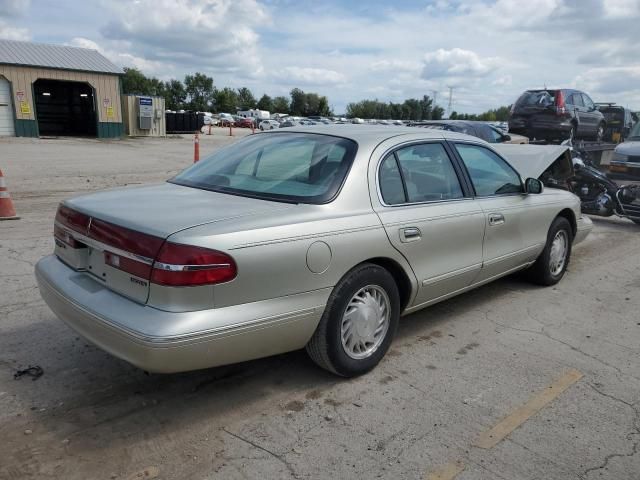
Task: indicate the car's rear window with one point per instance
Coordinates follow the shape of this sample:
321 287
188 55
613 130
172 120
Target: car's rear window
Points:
291 167
537 98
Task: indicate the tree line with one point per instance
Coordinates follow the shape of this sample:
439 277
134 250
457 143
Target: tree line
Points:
198 93
500 114
410 109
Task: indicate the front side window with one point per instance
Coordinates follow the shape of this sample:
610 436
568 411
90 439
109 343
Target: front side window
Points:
293 167
576 99
588 102
418 173
490 174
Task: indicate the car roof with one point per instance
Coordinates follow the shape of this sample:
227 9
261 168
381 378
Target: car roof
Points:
375 134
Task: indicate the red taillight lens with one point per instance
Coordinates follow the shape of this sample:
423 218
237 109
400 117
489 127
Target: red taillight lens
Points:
560 105
184 265
74 220
66 238
125 239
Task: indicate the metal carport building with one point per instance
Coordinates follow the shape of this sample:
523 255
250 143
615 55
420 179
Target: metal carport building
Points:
59 91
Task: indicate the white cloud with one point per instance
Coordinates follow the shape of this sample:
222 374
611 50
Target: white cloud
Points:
395 65
309 76
10 11
457 63
13 33
610 82
502 81
214 35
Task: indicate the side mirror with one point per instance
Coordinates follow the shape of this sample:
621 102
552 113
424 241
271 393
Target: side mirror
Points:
533 185
506 138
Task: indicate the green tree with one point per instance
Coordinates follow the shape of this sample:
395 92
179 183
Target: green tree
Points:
227 100
280 105
174 95
323 107
266 103
246 100
298 102
200 91
135 82
453 115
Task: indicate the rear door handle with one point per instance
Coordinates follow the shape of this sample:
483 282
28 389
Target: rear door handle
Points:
410 234
496 219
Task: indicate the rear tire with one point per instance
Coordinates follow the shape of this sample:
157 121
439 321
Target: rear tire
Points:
552 263
345 340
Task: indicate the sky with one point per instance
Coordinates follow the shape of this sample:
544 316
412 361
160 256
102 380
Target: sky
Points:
489 51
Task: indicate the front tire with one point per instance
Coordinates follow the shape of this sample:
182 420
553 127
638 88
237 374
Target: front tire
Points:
359 322
552 263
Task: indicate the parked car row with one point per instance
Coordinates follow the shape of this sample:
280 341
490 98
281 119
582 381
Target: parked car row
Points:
483 130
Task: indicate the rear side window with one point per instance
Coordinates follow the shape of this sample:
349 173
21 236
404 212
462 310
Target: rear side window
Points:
490 174
419 173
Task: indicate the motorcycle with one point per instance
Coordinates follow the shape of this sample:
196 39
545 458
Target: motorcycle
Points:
600 195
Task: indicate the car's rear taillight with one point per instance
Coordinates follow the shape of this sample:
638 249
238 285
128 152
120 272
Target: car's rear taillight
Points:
561 108
132 252
74 220
180 265
65 237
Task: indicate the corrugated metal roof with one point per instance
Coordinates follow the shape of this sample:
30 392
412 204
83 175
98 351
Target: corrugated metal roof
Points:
54 56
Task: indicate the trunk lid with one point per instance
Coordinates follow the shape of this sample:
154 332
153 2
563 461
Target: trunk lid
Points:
115 235
533 102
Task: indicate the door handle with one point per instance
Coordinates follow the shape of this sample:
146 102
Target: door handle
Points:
410 234
496 219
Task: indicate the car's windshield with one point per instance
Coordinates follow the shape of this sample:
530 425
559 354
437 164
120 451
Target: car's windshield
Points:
290 167
635 132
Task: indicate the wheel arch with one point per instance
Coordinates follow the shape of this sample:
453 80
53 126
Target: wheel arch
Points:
571 218
403 281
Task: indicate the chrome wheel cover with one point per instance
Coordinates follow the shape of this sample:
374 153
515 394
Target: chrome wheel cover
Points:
365 322
558 253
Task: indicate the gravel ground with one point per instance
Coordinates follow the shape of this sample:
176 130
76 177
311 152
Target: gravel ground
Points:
454 371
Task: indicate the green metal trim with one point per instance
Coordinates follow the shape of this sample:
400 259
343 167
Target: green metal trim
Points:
110 129
26 128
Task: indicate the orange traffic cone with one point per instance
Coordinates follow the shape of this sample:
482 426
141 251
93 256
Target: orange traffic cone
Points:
196 148
7 211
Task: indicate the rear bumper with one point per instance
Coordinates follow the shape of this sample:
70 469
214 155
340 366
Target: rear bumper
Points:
584 226
541 127
166 342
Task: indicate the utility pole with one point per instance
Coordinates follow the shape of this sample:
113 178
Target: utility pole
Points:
435 97
450 106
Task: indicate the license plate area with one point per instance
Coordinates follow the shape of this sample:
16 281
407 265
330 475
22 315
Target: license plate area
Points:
95 263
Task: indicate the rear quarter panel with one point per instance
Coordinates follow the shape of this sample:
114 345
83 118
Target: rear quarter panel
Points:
309 249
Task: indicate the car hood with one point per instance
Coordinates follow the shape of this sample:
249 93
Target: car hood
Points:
164 209
629 148
533 160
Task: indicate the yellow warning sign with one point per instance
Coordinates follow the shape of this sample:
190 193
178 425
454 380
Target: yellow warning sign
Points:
110 112
25 108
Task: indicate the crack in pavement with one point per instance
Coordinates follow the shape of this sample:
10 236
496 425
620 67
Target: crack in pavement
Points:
544 333
636 431
274 455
